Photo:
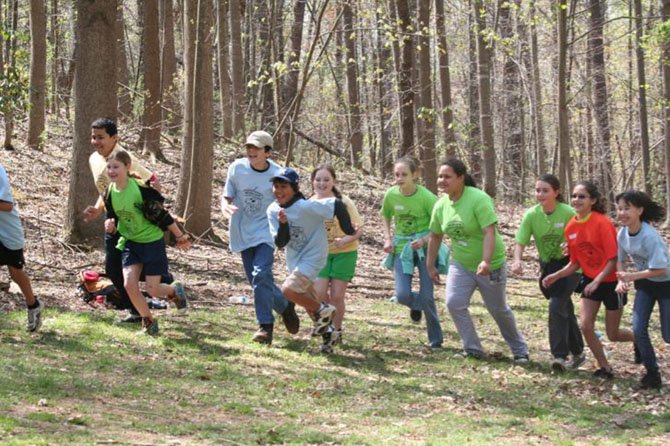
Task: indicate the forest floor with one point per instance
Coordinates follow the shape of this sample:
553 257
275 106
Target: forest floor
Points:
84 380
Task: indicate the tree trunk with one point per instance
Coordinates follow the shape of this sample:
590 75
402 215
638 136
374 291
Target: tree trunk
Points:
225 83
170 103
474 131
151 118
445 81
355 134
485 118
563 129
54 36
11 71
123 77
405 89
665 57
195 180
385 101
536 103
292 77
264 67
94 96
38 73
642 96
237 65
427 116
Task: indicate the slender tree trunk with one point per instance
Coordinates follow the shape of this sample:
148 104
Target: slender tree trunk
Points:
538 115
445 80
405 89
38 74
642 95
10 56
195 180
264 68
225 83
485 109
563 129
151 118
170 107
385 102
427 120
665 14
55 49
292 77
355 135
125 95
474 130
95 95
237 67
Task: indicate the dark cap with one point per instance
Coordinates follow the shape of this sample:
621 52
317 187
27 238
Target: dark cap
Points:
286 175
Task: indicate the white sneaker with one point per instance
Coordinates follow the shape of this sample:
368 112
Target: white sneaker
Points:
577 361
322 319
35 317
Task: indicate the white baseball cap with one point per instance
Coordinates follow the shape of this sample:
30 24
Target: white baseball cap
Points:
260 139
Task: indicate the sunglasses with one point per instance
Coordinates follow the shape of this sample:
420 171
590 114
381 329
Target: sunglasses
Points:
580 196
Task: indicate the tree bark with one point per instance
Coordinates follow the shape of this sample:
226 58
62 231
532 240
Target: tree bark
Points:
563 128
474 130
642 95
355 134
170 104
292 77
665 58
445 81
38 74
427 115
95 95
151 118
225 83
123 77
237 67
405 89
536 102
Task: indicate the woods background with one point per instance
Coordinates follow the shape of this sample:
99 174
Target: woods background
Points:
580 88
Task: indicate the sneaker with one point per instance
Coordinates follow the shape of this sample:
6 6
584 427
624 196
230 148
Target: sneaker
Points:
337 337
179 298
291 319
603 373
35 317
415 315
330 338
638 355
322 319
521 359
652 380
558 365
130 318
149 326
263 335
577 360
474 355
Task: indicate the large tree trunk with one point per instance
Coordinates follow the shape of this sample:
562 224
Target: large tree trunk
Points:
38 73
355 134
485 109
194 201
291 85
170 104
427 116
237 66
225 83
474 131
563 129
445 80
642 95
95 96
405 89
151 118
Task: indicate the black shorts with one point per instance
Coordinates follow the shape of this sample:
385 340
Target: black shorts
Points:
151 255
11 257
606 294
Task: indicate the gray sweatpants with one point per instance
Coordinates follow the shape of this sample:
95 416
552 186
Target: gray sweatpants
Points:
461 284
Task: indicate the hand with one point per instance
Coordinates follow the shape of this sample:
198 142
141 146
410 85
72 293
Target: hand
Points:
564 249
91 213
184 243
110 226
388 246
516 267
339 242
282 216
548 281
417 244
228 210
591 288
434 274
484 268
621 287
624 276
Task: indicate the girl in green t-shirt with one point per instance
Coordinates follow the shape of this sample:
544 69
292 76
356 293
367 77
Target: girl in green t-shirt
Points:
545 223
409 205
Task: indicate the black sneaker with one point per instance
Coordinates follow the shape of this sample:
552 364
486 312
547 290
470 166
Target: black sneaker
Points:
652 380
603 373
638 355
521 359
291 319
263 335
130 318
415 315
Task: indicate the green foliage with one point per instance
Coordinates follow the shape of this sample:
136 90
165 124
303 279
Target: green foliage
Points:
14 78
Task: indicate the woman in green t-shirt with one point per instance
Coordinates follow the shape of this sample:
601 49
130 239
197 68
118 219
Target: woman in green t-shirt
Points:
467 216
545 223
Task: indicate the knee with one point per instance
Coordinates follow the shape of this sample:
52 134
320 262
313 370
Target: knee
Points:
587 327
456 305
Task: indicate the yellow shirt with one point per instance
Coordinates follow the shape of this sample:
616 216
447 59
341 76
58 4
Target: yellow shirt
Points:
98 165
335 232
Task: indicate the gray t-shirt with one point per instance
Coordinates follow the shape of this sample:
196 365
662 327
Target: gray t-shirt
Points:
251 192
647 249
11 231
307 249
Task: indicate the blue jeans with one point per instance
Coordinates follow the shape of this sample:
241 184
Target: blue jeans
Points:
642 308
423 300
257 262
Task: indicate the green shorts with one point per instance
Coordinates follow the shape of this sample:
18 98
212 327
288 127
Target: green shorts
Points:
340 266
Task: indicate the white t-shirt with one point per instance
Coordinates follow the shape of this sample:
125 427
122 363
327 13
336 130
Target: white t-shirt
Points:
647 249
307 249
11 231
251 192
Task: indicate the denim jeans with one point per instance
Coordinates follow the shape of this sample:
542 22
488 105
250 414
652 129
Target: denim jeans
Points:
257 262
564 334
461 284
423 300
114 270
642 309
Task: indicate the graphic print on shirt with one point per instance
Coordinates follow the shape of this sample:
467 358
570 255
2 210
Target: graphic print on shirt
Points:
592 257
252 201
455 229
552 242
298 237
406 223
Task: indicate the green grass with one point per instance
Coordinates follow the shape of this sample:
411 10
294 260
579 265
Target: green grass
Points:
84 380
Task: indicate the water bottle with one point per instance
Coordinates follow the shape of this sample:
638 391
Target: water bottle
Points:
239 300
601 338
393 299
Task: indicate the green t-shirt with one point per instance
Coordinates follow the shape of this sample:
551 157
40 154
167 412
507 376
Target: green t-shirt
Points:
463 222
547 230
410 214
131 223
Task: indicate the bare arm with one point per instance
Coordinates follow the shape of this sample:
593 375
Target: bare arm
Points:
484 267
434 241
517 265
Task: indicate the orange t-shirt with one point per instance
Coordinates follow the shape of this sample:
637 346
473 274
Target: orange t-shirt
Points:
592 243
